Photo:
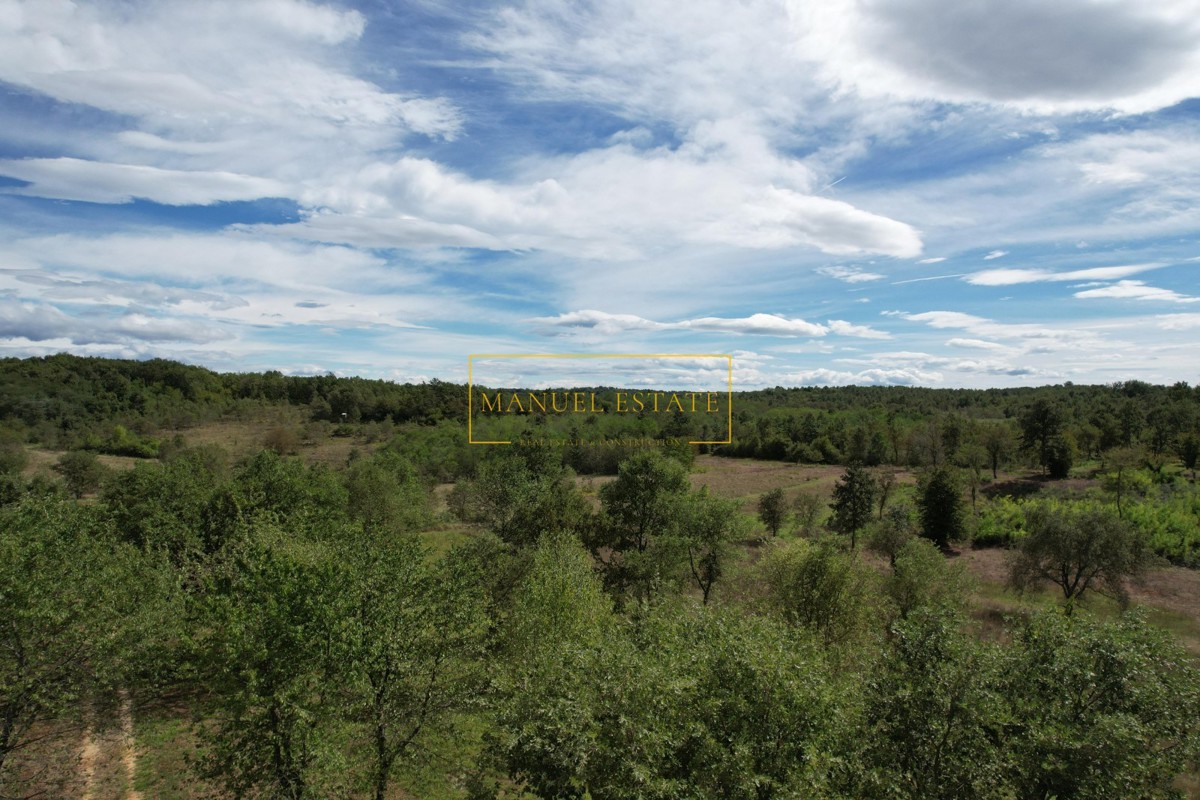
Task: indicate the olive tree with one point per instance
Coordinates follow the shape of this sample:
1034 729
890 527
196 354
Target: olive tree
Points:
1088 549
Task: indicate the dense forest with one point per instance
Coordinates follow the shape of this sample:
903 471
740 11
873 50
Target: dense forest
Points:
427 618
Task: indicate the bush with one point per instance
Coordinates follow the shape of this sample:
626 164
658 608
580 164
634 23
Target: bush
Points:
81 471
1060 456
1001 523
820 587
283 441
13 458
922 578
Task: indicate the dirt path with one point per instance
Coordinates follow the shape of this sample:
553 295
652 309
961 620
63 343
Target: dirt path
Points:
89 754
128 746
108 759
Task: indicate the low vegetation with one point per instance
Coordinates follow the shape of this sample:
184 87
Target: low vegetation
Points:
415 617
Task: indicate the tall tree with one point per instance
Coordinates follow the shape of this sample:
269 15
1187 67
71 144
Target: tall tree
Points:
941 507
521 496
1124 463
820 587
1041 422
415 641
69 593
931 714
853 502
384 494
1188 448
708 526
997 441
633 539
772 510
807 507
81 471
269 652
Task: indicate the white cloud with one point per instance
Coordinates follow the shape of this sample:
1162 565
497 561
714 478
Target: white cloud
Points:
850 274
995 254
226 280
1010 277
223 100
868 377
937 260
978 344
724 186
1064 56
208 127
1134 158
843 328
1178 322
181 67
98 182
756 324
1028 336
1137 290
760 324
926 361
38 322
600 322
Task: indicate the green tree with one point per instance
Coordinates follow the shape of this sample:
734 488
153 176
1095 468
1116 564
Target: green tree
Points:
1060 456
1078 550
385 494
554 646
941 507
772 510
708 526
885 484
889 535
13 457
268 650
633 540
521 496
997 441
973 458
415 641
931 716
1040 423
1123 463
853 502
71 595
737 707
921 577
1188 449
807 508
1097 710
161 507
819 587
81 471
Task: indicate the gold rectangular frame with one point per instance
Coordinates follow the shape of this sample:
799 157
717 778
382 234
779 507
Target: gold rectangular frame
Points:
471 381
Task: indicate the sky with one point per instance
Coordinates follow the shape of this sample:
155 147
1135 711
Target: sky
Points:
959 193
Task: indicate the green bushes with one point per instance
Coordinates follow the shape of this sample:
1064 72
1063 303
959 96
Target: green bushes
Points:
1170 525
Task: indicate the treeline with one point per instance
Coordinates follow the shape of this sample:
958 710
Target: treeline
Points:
1051 426
618 649
70 401
133 407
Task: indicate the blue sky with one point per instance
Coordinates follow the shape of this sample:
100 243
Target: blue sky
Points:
920 192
